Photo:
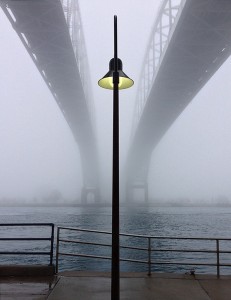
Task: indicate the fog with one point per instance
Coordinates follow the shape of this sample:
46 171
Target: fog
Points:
193 160
38 155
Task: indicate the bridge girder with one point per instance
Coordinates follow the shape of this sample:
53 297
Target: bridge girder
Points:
198 43
49 32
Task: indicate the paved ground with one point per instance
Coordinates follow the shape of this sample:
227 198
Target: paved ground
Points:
74 286
134 286
26 288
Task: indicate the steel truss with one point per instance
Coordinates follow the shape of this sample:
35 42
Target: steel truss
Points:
74 22
167 17
73 18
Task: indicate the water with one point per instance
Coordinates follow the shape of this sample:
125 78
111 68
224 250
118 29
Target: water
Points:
210 222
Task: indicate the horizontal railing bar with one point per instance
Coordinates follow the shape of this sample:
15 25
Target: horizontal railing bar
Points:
188 238
24 253
134 248
98 244
190 251
134 260
179 238
82 242
190 264
83 230
185 251
26 224
145 249
147 236
184 263
103 257
25 239
144 261
84 255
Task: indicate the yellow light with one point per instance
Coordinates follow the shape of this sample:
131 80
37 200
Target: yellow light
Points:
107 81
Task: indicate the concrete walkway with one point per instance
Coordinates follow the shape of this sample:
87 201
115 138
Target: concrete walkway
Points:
26 288
134 286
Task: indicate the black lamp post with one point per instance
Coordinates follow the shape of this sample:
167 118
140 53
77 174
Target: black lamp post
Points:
114 80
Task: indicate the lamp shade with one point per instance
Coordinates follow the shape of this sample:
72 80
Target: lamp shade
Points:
107 81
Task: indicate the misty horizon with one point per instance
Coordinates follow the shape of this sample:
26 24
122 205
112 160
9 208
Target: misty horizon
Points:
38 153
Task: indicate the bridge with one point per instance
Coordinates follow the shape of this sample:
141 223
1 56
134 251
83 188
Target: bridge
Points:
51 32
190 40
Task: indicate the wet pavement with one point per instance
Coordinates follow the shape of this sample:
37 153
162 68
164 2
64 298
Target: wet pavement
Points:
138 286
26 288
133 286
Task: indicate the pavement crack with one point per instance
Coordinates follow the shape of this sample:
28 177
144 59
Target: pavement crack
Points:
203 288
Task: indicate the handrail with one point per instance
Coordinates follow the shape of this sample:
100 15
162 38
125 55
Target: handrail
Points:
50 238
151 251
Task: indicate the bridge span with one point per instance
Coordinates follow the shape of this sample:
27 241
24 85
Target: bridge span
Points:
190 40
51 32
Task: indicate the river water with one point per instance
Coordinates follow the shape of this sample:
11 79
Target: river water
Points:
206 222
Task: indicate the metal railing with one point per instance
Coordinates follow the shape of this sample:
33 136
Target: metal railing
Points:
156 250
5 229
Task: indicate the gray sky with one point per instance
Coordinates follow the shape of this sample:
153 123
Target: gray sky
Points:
38 152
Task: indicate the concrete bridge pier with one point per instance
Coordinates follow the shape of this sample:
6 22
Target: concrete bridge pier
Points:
90 195
137 192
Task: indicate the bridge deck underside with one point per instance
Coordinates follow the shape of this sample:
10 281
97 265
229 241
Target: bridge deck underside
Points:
199 45
42 27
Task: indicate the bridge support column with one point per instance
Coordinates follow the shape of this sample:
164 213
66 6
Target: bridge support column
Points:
137 193
90 195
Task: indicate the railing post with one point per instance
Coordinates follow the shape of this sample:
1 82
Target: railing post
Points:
218 258
149 257
52 244
57 252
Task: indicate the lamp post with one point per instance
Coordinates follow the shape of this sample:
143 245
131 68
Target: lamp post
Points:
114 80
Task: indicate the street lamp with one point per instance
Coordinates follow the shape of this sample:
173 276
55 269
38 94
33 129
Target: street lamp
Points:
107 81
114 80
